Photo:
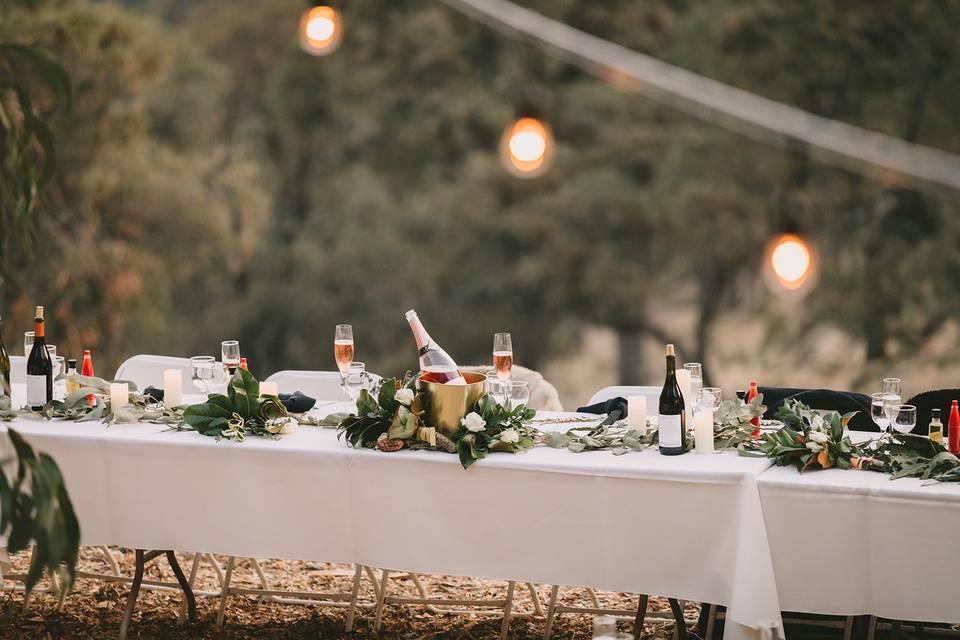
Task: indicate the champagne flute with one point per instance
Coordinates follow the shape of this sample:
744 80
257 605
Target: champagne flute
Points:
230 352
502 355
891 398
905 419
343 352
696 381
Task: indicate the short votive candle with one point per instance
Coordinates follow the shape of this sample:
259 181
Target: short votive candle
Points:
119 395
637 413
268 388
703 434
172 387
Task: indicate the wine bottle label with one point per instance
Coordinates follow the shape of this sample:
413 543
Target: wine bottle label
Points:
671 435
36 390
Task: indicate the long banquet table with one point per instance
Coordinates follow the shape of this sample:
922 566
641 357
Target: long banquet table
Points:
689 527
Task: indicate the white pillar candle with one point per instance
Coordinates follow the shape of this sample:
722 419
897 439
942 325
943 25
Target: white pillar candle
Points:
637 413
703 425
119 395
172 387
268 388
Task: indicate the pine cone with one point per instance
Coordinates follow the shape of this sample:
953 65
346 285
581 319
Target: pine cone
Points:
390 444
445 444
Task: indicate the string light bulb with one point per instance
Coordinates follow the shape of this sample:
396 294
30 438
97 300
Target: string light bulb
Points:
526 148
320 30
791 263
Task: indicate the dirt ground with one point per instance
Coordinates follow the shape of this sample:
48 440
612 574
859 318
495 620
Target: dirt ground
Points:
93 608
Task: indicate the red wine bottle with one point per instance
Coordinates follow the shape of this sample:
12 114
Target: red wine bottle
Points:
436 365
672 413
750 396
39 368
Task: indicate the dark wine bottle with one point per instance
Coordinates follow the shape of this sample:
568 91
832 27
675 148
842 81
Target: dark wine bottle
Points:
39 368
4 368
673 415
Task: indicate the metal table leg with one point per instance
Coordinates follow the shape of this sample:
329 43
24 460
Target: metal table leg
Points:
142 558
641 615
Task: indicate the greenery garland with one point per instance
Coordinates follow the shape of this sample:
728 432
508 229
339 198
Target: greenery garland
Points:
241 412
395 420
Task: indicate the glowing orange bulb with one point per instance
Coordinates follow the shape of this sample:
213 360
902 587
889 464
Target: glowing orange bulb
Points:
320 30
527 148
791 261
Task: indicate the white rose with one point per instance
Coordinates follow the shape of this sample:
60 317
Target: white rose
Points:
819 437
813 446
816 422
404 396
280 426
473 422
510 436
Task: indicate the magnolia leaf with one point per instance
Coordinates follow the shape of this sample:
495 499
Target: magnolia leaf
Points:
210 417
388 390
244 393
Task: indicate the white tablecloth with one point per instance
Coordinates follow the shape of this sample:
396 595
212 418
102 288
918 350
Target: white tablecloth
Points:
689 526
851 542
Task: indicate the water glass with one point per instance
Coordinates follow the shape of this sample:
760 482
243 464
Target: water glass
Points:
905 419
355 379
878 411
517 393
28 337
502 355
59 386
709 398
495 387
696 377
202 367
52 350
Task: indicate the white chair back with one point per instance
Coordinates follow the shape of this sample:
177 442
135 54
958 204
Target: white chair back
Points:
652 394
146 370
18 369
321 385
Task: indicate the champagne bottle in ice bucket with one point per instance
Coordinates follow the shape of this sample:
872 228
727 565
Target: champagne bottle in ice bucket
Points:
436 365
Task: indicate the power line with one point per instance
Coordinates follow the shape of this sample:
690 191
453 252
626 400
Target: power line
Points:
890 160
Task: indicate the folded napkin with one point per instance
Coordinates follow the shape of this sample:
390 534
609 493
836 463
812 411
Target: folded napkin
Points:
155 393
297 402
824 399
615 408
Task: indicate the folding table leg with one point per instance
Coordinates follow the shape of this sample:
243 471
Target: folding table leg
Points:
507 608
225 591
641 615
872 628
712 621
381 599
681 633
551 611
354 595
847 628
182 581
191 580
132 598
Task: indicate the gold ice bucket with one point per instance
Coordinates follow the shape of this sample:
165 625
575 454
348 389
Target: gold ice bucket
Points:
449 403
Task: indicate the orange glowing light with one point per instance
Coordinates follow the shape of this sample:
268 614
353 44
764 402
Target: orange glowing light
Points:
527 148
791 261
320 30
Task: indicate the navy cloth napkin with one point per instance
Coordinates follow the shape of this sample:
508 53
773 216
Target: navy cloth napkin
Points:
615 408
153 392
297 402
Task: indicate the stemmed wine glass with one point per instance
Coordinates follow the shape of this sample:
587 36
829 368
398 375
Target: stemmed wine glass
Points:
502 355
516 393
709 398
905 419
495 387
878 411
343 353
230 351
891 398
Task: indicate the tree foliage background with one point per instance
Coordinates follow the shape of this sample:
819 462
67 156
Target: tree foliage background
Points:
215 181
